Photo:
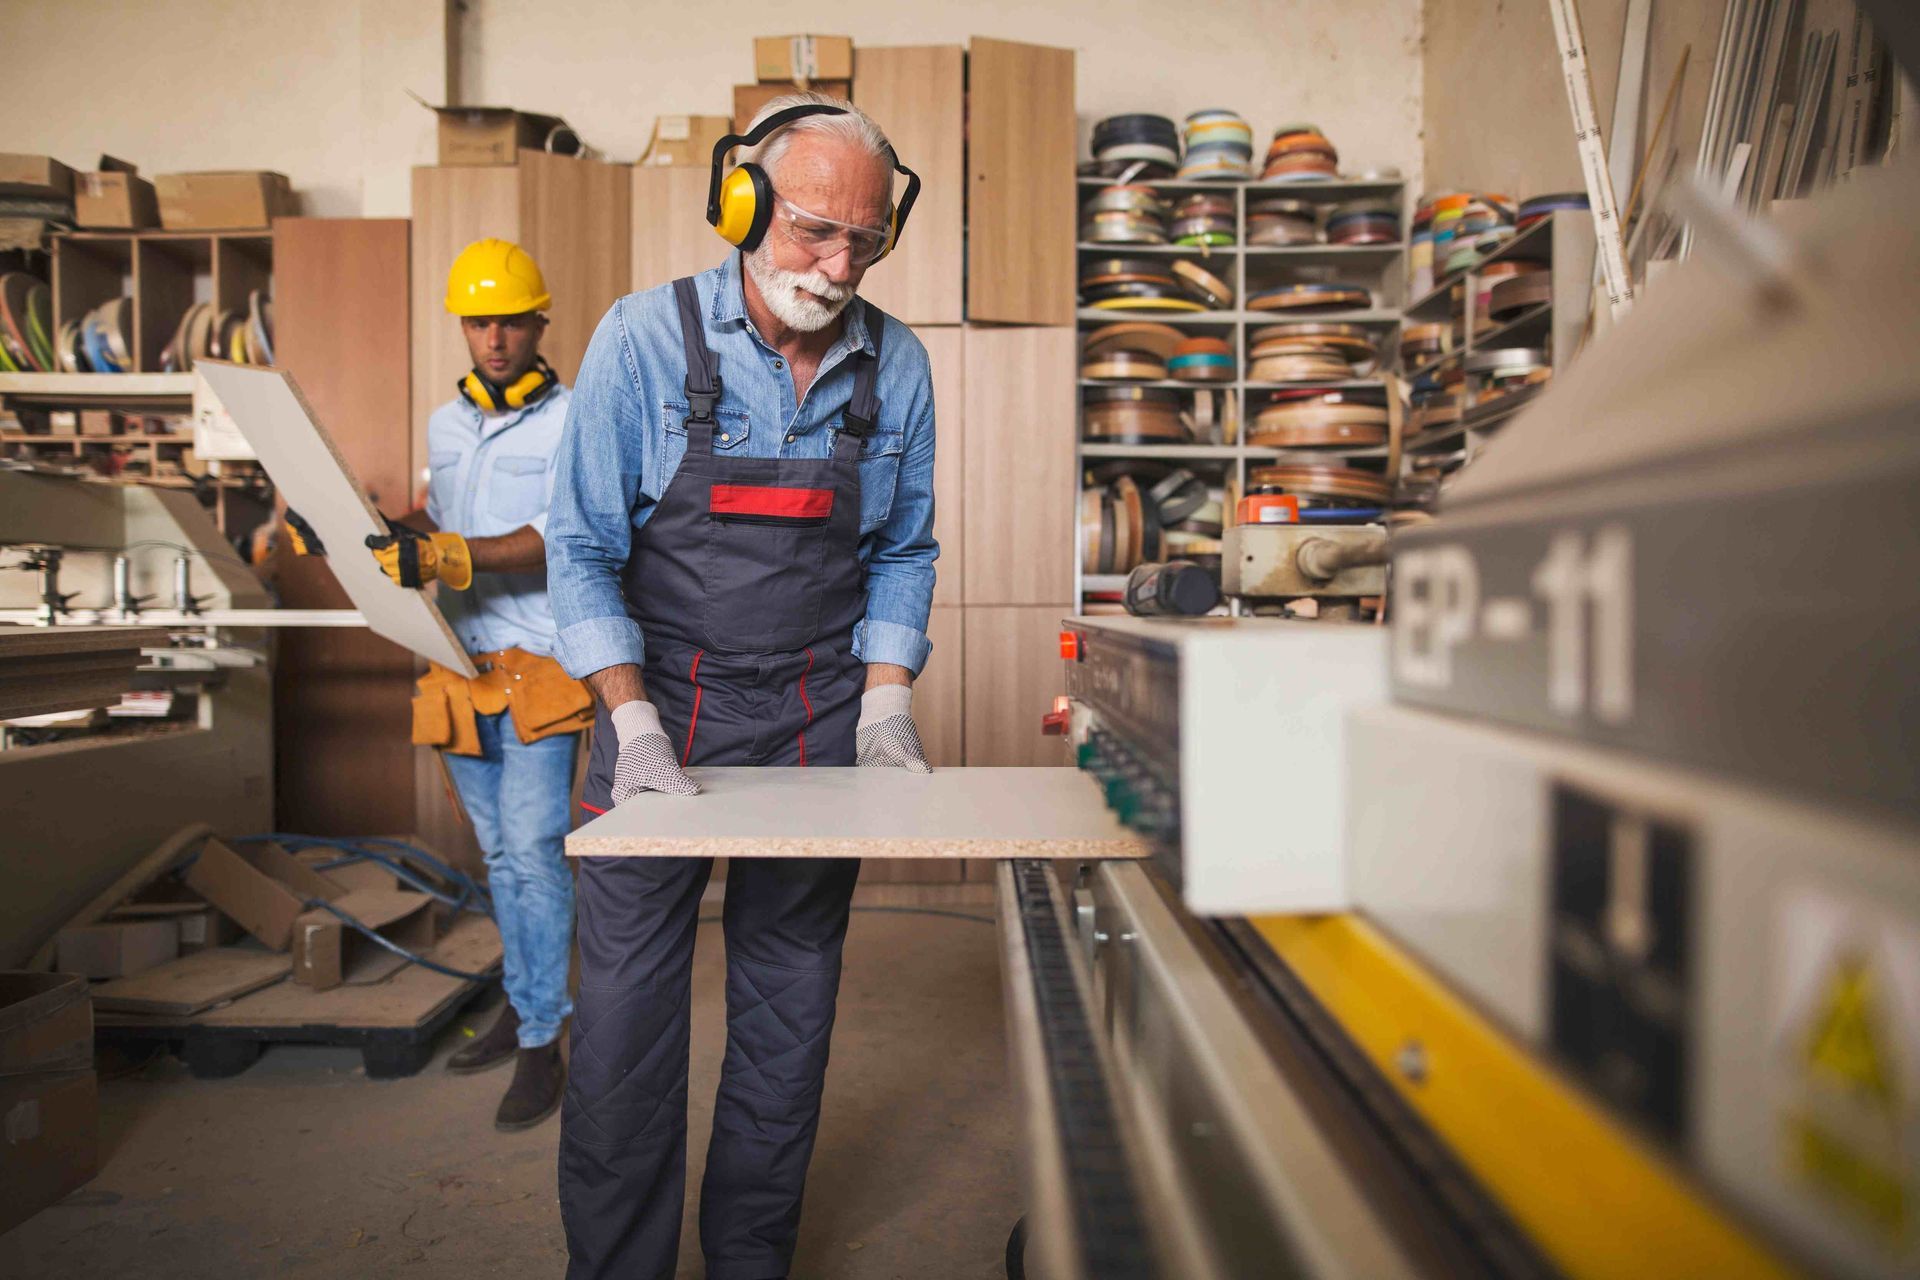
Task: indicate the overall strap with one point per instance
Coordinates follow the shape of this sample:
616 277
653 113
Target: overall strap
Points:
703 369
863 410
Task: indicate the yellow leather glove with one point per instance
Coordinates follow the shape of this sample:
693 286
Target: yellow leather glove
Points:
300 535
414 559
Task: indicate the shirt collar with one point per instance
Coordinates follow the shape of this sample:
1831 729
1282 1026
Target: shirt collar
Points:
730 305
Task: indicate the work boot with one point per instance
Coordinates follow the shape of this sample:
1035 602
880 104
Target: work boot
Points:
539 1078
491 1049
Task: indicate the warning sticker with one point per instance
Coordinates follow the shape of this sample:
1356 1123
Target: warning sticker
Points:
1846 1044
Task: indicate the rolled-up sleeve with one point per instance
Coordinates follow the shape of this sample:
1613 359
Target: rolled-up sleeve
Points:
596 484
900 569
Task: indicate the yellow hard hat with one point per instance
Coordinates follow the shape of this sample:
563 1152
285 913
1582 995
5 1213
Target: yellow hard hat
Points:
495 278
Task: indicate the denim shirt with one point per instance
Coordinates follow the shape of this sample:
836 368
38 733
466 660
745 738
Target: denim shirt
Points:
626 434
490 474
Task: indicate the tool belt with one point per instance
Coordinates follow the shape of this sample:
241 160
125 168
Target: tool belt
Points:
542 698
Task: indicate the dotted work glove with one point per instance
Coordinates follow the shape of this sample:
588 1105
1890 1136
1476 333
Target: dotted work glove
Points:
646 760
885 737
413 559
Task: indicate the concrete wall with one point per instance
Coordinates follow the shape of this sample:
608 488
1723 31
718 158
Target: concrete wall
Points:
611 66
316 88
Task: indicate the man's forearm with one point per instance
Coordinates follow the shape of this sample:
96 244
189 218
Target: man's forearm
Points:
879 673
620 684
521 551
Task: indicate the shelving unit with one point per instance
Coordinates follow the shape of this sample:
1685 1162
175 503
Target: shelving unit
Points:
1248 269
1565 243
163 272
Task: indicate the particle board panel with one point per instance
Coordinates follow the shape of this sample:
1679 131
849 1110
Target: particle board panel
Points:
918 95
938 715
1020 192
852 812
671 237
1012 676
1020 484
452 207
309 473
575 219
946 349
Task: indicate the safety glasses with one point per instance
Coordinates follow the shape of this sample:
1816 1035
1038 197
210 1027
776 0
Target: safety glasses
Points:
825 237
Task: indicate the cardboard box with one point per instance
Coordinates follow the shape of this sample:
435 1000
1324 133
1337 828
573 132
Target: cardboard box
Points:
46 1023
327 951
200 925
685 141
117 948
263 888
364 874
235 200
34 176
115 197
49 1140
802 59
491 135
748 99
101 422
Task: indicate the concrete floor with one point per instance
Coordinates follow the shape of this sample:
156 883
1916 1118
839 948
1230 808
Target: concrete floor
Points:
302 1167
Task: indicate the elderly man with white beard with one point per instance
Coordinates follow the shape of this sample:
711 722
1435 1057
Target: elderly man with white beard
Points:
740 558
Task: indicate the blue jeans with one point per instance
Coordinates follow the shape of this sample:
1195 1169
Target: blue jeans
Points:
518 796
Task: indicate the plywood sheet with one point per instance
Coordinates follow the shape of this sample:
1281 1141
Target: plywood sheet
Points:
918 96
1021 488
1013 675
671 237
854 813
939 716
194 982
575 221
946 349
1020 191
311 476
452 207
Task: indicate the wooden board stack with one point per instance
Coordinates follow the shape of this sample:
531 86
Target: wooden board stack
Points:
44 670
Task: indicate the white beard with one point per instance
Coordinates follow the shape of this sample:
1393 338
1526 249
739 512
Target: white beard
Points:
781 291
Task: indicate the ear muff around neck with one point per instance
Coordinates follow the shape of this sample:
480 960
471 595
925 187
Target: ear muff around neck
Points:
491 397
740 200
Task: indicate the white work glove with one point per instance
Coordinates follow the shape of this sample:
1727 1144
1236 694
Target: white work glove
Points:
885 737
646 760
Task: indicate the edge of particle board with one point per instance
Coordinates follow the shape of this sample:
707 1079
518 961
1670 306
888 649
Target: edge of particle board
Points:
860 847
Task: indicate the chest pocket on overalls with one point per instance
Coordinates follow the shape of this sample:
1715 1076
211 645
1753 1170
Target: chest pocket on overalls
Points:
879 474
766 549
517 489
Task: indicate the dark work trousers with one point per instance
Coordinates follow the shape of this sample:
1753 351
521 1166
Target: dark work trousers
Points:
747 583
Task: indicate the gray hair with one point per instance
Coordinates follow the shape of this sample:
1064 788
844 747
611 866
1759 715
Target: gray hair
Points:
855 127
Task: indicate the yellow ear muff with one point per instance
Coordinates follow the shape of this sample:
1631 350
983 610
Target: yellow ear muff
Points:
530 386
740 206
475 391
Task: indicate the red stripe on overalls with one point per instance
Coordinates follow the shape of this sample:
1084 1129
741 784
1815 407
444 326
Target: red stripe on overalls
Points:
767 500
592 808
809 706
693 721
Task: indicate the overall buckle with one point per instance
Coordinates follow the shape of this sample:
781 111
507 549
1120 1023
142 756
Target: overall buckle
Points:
700 404
856 426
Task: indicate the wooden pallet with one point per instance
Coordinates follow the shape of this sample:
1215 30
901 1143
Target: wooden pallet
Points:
393 1023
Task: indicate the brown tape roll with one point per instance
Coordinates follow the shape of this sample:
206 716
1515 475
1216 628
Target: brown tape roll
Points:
1299 368
1127 494
1204 285
1509 297
1295 299
1158 340
1089 531
1313 425
1132 424
1125 364
1321 482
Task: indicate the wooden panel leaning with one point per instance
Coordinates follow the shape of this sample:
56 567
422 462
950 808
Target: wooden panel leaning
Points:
452 207
1020 483
1013 674
575 221
1021 138
918 95
340 710
671 237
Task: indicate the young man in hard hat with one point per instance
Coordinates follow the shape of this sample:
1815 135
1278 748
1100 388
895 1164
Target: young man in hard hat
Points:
509 738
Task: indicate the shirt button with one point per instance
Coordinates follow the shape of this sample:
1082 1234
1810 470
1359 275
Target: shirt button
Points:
724 437
791 439
778 365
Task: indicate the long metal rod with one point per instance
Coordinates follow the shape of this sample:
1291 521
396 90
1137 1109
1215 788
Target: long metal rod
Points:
203 618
